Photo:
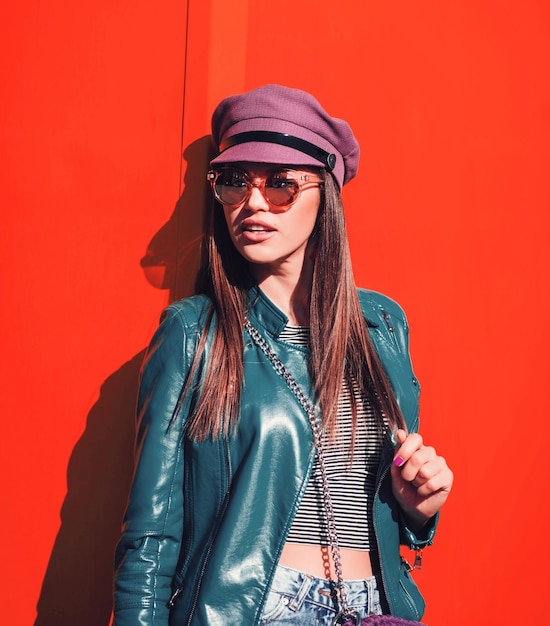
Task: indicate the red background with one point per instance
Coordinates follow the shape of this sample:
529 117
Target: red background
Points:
449 215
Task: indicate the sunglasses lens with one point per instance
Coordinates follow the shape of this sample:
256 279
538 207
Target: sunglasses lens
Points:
231 187
281 189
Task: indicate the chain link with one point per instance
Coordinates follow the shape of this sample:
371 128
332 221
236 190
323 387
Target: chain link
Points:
318 441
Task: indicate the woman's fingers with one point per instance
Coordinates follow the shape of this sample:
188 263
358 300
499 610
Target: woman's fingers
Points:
421 477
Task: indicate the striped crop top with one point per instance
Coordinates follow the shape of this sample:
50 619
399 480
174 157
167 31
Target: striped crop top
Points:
352 481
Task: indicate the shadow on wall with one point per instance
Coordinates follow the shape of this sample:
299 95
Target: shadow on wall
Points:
77 588
173 256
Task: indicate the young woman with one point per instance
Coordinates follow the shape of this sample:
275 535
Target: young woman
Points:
278 465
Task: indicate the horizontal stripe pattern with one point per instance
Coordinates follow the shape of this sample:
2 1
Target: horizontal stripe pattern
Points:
352 478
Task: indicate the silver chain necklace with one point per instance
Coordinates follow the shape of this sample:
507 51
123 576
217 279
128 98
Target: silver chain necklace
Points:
316 428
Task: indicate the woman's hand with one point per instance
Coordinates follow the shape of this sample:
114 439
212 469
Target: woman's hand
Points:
421 479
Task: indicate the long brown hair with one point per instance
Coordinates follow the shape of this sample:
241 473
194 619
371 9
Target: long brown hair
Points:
340 346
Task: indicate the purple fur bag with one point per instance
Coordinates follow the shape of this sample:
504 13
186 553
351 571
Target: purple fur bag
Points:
383 620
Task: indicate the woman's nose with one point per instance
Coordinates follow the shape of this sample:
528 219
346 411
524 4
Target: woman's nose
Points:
256 200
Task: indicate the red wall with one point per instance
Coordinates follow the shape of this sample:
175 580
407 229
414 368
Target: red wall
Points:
449 215
89 165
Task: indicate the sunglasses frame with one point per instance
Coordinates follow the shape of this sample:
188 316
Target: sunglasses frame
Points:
307 183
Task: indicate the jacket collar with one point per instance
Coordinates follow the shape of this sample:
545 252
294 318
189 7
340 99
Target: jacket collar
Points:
263 312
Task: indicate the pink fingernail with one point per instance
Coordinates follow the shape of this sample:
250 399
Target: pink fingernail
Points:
398 461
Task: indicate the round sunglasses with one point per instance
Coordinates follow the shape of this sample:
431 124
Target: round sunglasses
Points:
280 188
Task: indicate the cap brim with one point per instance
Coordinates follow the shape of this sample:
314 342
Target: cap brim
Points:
262 152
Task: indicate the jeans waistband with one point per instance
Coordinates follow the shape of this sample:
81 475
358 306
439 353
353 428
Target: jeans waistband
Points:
299 586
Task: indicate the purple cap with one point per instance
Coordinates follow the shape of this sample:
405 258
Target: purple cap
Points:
276 124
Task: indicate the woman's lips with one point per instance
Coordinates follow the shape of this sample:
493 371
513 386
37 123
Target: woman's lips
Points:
256 231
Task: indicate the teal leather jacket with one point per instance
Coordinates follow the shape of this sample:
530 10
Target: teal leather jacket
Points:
206 522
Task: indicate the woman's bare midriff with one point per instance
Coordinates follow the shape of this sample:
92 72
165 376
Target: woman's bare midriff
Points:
316 560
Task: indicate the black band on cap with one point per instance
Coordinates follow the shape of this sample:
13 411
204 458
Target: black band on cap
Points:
268 136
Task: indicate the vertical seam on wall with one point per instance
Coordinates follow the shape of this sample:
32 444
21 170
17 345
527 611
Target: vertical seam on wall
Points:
175 283
183 96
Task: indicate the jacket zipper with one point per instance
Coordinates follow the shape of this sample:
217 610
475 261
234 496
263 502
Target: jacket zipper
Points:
418 559
209 551
376 533
175 597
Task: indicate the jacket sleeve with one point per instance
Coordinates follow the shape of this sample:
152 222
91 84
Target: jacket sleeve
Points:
391 338
147 553
419 540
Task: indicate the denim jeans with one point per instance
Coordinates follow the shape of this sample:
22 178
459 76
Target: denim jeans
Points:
298 598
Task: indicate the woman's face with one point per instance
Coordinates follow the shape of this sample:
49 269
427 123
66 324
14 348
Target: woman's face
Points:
271 239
